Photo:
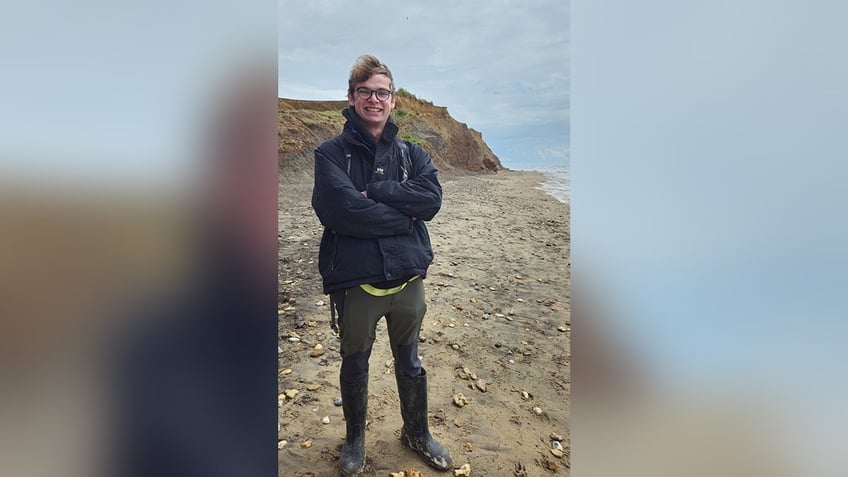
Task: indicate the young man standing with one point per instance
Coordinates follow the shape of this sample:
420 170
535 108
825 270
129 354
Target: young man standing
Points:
373 193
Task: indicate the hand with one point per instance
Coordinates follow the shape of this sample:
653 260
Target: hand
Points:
364 193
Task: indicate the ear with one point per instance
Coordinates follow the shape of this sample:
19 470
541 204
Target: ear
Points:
350 98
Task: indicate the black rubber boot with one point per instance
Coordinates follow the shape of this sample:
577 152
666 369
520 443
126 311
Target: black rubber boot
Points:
416 431
355 407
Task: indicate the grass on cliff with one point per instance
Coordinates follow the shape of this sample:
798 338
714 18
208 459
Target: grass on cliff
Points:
407 94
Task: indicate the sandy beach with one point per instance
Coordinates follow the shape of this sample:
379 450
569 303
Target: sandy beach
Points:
498 305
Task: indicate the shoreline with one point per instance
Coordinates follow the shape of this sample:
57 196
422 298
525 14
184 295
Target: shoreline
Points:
498 290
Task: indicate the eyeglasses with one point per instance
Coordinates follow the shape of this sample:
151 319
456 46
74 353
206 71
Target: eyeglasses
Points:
365 93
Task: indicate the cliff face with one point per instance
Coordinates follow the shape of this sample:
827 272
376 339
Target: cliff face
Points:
454 147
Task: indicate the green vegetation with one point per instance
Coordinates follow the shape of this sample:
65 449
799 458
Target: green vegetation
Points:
407 94
412 139
400 112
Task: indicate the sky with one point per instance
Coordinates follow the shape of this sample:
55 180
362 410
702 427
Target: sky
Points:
500 67
708 194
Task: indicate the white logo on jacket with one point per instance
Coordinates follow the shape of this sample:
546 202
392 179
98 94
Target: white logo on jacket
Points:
379 170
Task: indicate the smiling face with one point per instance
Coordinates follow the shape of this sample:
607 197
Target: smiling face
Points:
373 111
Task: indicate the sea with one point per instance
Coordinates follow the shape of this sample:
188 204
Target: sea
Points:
558 182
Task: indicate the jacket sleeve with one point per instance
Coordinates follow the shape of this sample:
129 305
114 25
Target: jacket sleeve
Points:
420 196
343 209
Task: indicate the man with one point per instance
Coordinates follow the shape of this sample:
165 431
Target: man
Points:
373 193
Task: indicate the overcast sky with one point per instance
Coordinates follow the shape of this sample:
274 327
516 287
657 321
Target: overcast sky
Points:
501 67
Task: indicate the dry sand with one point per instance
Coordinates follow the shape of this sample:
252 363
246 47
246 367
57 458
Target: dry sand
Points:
501 248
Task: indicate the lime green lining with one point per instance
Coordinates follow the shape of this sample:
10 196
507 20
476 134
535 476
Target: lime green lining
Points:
386 292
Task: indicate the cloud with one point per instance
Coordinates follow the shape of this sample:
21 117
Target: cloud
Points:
500 67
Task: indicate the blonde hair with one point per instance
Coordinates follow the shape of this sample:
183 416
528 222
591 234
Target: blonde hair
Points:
364 68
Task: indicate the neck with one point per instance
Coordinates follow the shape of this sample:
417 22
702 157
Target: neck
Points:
376 131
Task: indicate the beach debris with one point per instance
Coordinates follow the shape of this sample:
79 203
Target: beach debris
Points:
556 445
306 444
518 277
525 395
492 288
285 372
409 472
557 453
520 300
485 316
294 339
319 303
512 361
556 437
463 470
282 444
325 420
538 411
460 400
337 401
313 387
481 385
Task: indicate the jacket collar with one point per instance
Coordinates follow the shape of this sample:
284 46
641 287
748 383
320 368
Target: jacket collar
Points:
356 132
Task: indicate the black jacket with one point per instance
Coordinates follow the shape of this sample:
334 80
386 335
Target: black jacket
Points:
374 239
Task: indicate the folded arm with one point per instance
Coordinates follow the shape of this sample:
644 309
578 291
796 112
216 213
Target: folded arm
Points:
420 196
343 209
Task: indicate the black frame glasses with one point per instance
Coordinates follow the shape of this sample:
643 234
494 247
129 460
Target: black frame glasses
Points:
365 93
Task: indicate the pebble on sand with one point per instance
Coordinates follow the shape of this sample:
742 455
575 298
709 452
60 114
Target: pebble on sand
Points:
313 387
455 347
464 470
306 444
538 411
460 400
557 453
317 351
291 393
409 472
481 385
285 372
325 420
556 445
282 444
562 328
337 401
294 339
556 437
